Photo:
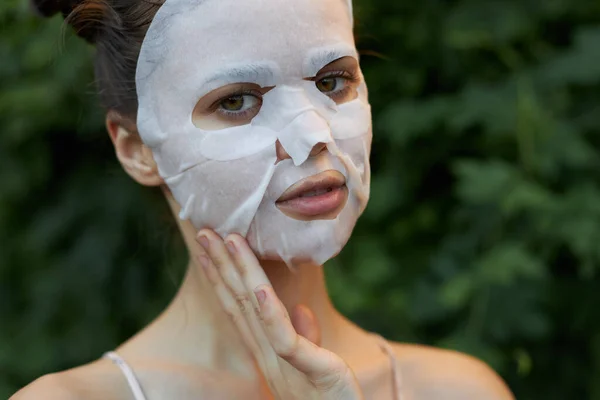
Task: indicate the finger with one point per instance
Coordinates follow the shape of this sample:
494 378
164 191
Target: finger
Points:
216 250
220 255
244 298
249 268
305 323
325 369
228 303
224 256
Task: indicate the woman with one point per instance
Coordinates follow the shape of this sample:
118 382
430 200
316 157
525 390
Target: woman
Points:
253 117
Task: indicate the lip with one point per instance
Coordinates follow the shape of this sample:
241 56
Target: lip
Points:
326 205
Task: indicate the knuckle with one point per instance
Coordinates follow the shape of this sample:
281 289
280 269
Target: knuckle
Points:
242 302
333 378
269 319
258 314
237 320
219 259
287 347
242 269
229 275
231 313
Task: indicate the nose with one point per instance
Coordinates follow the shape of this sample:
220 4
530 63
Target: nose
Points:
282 154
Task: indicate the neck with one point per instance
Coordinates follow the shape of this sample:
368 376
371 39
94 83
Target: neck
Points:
195 308
194 330
306 285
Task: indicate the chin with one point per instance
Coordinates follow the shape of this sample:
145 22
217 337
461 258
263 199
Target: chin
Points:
295 260
300 242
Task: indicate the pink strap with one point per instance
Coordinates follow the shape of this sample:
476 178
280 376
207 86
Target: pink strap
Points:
132 381
385 347
394 366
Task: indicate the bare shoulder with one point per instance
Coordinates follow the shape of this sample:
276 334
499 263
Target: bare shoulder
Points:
51 387
92 381
430 374
101 380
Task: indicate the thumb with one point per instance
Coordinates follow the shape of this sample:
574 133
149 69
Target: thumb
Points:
305 323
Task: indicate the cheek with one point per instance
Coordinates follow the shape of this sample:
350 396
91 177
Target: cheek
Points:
223 195
359 150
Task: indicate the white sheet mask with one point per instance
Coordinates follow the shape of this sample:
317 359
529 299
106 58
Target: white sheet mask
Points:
229 179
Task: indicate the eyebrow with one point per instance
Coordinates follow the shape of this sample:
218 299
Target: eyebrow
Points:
260 74
325 57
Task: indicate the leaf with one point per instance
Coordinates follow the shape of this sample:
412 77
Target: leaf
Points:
456 292
484 182
485 23
407 120
507 262
578 65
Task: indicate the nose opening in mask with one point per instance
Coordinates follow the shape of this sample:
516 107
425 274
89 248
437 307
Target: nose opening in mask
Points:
283 155
300 138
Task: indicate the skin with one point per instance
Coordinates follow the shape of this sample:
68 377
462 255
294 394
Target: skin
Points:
190 351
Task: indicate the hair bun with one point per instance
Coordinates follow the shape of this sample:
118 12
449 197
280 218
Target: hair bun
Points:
85 16
48 8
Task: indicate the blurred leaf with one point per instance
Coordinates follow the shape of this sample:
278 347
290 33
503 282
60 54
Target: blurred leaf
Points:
505 263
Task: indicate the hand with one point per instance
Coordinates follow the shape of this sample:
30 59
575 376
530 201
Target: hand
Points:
293 366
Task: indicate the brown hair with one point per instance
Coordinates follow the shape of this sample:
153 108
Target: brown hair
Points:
117 29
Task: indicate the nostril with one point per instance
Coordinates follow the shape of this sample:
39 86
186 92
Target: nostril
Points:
318 148
280 151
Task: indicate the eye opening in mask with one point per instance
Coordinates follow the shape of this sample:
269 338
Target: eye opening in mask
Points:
231 105
339 79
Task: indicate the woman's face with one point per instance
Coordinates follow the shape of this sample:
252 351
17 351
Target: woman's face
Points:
258 118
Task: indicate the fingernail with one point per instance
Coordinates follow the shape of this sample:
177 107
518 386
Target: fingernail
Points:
231 247
261 295
203 240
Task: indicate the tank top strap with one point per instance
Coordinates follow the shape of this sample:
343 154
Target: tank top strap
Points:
138 393
132 381
394 366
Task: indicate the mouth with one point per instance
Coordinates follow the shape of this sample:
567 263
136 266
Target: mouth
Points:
320 196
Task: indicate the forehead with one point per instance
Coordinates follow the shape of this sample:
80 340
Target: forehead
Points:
188 36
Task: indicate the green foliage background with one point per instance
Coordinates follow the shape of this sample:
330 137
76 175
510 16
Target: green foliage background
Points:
482 234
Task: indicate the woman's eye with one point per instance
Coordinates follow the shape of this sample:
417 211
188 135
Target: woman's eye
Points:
331 84
339 87
231 105
238 103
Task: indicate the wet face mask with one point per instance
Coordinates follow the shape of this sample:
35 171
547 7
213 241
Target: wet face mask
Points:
223 84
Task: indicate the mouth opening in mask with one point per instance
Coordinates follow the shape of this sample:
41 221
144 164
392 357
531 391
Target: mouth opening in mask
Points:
321 196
